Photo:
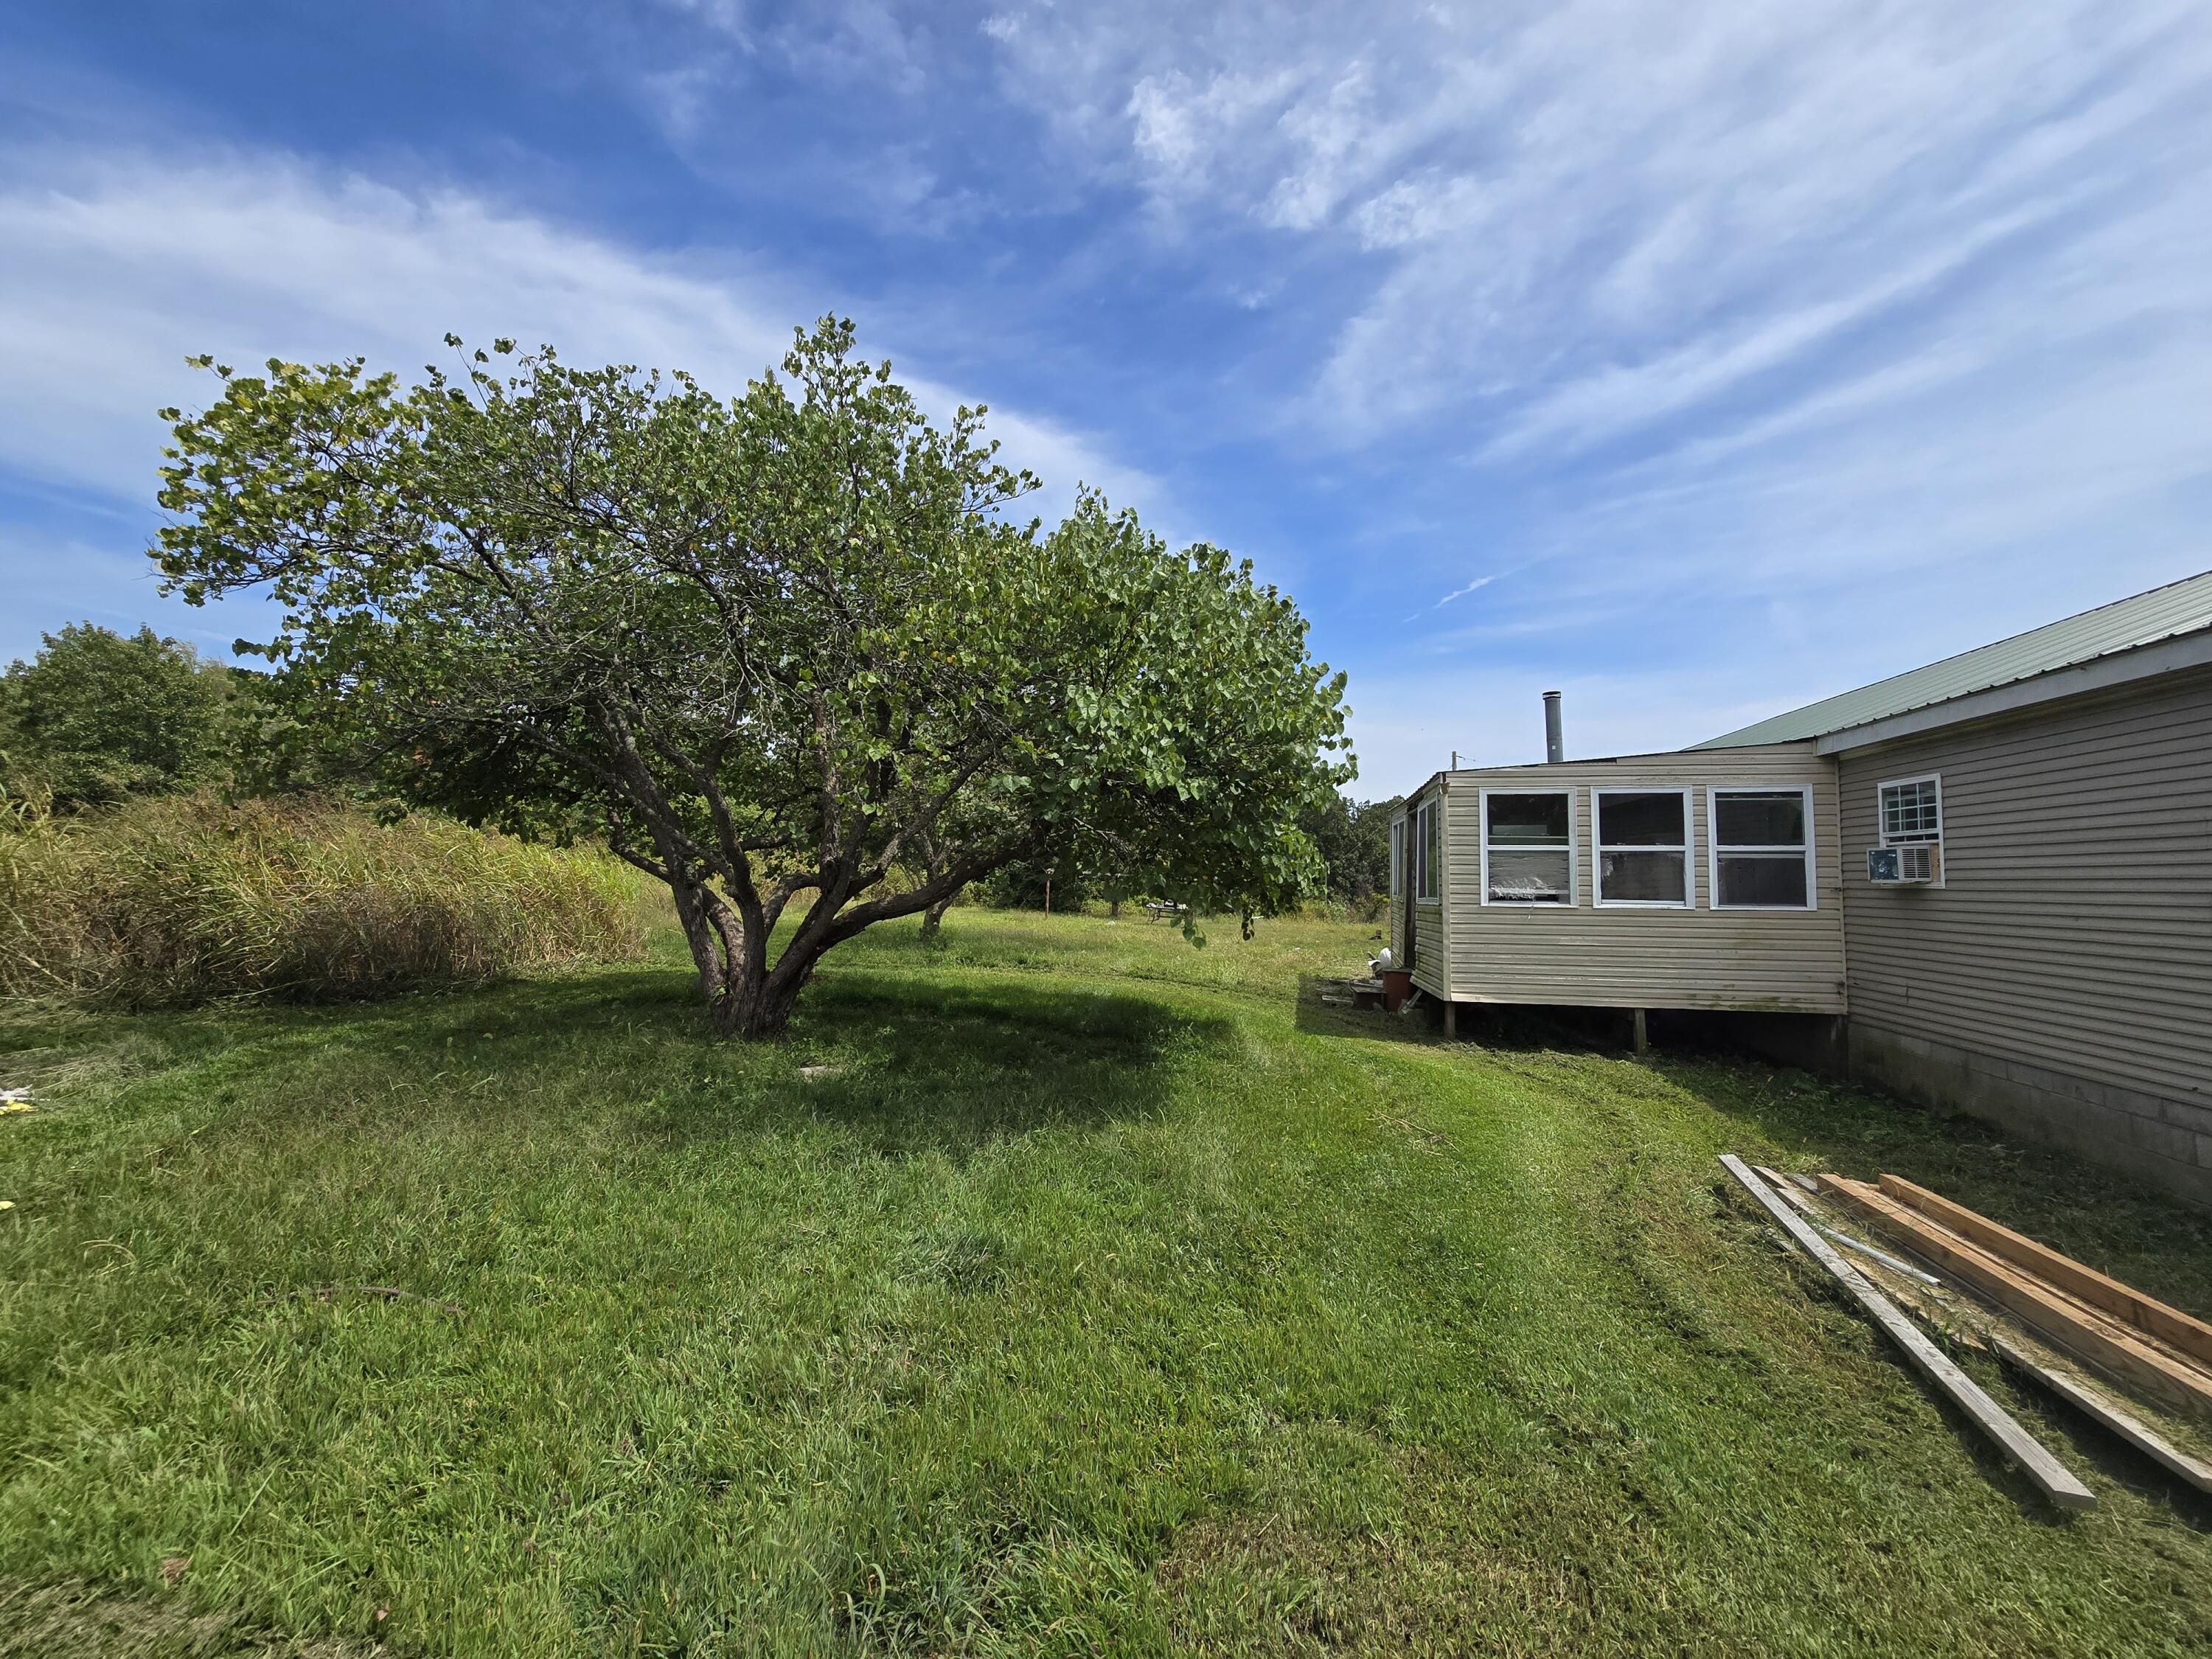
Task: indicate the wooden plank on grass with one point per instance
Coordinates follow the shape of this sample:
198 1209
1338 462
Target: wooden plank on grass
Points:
2170 1325
2054 1478
2095 1404
1806 1208
2072 1324
1803 1206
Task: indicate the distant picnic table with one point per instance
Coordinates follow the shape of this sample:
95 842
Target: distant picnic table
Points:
1165 910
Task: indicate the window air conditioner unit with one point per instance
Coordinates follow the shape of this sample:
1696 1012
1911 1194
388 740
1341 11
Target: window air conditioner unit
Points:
1904 866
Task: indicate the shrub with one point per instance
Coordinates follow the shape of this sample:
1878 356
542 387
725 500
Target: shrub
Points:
171 903
97 716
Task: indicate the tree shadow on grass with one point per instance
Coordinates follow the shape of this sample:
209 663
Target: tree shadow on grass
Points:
1334 1019
907 1067
893 1063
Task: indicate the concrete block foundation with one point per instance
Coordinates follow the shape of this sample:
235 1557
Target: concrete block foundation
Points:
2167 1143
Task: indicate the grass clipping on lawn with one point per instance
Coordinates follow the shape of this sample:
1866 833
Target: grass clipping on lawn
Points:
169 903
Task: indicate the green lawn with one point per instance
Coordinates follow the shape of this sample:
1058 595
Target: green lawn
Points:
1065 1289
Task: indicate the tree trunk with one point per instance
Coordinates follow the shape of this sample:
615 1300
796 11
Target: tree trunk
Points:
933 917
695 913
761 1008
743 998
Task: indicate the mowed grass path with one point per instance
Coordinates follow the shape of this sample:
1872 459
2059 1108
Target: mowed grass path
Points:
1064 1290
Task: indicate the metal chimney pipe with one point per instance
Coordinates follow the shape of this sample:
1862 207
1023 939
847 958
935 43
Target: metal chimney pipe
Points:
1555 742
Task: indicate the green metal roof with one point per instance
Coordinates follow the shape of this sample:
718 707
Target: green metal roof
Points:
2182 607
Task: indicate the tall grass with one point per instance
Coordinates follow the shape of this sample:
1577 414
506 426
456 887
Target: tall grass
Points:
167 903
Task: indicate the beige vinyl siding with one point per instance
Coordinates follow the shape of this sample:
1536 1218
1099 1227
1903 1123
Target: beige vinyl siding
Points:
1429 959
2074 929
1398 901
1428 918
1789 960
1428 935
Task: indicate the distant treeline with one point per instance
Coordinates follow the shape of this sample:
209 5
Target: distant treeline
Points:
99 719
1354 838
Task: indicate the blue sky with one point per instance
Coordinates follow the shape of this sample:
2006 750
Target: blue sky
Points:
1699 361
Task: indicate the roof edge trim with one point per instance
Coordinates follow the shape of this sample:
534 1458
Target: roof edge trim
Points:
2168 656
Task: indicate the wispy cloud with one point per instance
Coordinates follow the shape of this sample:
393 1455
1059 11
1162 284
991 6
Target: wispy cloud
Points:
1733 353
1456 593
1725 317
1591 219
115 266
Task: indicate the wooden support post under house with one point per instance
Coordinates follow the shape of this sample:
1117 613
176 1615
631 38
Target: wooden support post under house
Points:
1451 1019
1638 1035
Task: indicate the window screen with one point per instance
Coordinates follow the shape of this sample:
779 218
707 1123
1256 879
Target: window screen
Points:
1911 812
1762 849
1429 864
1528 848
1643 847
1398 858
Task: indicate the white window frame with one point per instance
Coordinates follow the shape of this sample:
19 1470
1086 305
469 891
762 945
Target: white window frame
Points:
1429 811
1598 849
1713 848
1574 867
1943 819
1398 856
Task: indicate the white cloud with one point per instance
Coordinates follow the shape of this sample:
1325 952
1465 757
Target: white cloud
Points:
1456 593
1587 207
1886 321
114 267
1175 129
1613 399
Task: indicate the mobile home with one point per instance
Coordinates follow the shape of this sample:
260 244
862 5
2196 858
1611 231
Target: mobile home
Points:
1991 877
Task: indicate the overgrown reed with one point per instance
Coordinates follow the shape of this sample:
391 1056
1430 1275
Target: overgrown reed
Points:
172 903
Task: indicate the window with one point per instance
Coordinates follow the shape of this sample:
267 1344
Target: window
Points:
1528 847
1912 812
1428 855
1397 858
1642 845
1762 849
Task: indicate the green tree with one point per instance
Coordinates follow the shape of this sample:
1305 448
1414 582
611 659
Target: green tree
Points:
777 648
1353 840
1025 883
98 715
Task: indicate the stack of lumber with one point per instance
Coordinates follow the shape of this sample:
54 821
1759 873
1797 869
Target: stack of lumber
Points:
1359 993
2057 1482
2159 1351
2048 1317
